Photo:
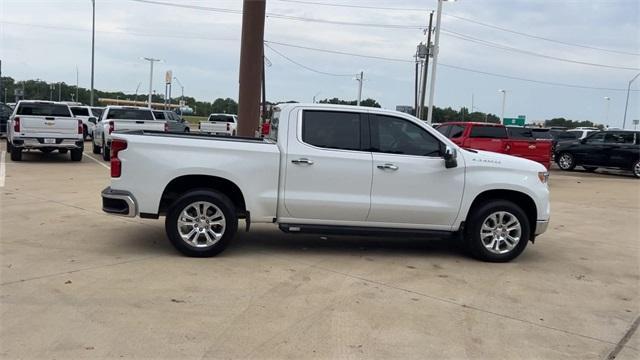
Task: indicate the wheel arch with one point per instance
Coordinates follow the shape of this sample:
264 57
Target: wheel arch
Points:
523 200
183 184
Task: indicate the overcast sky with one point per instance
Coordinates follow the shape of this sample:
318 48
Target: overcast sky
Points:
202 48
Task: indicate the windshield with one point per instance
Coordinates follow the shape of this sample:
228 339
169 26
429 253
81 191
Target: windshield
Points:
130 114
44 109
79 111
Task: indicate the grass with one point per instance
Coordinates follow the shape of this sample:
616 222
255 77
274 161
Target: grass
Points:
194 119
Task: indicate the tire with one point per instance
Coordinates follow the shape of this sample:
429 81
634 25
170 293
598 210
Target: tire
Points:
590 168
636 169
186 130
566 161
106 151
85 132
8 146
206 247
95 148
63 151
506 250
76 154
16 154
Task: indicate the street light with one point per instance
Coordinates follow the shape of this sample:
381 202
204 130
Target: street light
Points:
436 50
93 40
626 105
606 114
504 101
151 61
181 88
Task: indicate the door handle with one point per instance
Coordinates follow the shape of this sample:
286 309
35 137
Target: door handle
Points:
388 167
302 161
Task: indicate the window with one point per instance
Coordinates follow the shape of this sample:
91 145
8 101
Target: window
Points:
129 114
44 109
520 133
493 132
444 129
456 131
97 112
79 111
398 136
221 118
619 138
331 129
597 138
542 134
159 115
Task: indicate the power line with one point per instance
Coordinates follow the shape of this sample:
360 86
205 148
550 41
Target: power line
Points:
304 66
527 52
340 52
477 22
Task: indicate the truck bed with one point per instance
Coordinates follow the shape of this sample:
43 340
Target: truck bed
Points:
197 136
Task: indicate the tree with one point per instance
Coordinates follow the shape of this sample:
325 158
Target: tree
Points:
366 102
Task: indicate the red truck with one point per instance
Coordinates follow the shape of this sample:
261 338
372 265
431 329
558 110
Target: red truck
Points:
497 138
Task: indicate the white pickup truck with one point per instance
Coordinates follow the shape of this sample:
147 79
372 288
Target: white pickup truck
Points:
122 118
220 124
85 113
46 126
329 169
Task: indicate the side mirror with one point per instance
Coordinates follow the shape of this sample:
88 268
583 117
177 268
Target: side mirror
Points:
93 120
450 157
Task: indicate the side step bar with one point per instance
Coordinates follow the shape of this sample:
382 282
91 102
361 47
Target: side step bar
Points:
360 230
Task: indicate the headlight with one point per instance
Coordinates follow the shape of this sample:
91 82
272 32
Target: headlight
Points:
543 176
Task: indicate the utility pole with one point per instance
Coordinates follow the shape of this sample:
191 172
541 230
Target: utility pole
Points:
606 114
59 91
415 87
264 93
251 58
93 41
472 105
425 69
51 87
137 88
436 51
151 61
77 83
504 101
360 79
626 105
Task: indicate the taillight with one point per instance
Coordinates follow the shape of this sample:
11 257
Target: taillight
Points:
117 145
166 127
80 128
16 124
111 127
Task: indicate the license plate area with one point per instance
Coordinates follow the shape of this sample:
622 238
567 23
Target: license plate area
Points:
49 141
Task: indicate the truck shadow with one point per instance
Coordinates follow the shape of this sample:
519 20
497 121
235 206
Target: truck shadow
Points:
52 157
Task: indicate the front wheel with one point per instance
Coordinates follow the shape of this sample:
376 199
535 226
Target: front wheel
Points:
95 148
566 162
636 169
497 231
201 223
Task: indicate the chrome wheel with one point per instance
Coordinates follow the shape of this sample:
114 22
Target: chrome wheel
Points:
565 162
500 232
201 224
636 169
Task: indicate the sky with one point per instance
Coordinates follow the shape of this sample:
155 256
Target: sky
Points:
48 39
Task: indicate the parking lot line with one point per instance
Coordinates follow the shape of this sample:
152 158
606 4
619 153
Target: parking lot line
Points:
2 167
94 159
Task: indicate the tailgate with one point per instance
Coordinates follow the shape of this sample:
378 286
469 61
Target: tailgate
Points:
48 125
152 125
536 150
214 126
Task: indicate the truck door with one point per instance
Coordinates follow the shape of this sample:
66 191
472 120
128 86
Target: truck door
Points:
411 185
328 166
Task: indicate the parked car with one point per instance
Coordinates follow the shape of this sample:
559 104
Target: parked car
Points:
220 124
5 114
174 121
608 149
122 118
496 138
329 169
84 113
45 126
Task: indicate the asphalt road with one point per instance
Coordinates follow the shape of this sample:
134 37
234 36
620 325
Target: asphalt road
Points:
75 283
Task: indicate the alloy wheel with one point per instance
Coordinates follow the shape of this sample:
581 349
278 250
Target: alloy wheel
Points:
500 232
201 224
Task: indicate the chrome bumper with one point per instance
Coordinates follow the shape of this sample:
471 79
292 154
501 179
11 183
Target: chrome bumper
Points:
541 226
119 202
34 143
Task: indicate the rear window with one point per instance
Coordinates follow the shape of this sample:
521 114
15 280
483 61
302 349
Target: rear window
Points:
79 111
221 118
542 134
494 132
520 133
129 114
159 115
36 109
331 129
97 112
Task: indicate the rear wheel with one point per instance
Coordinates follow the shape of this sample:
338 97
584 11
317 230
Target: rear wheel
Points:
636 169
76 154
95 148
566 161
16 153
106 151
498 231
201 223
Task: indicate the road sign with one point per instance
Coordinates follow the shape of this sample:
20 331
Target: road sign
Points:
519 121
636 122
